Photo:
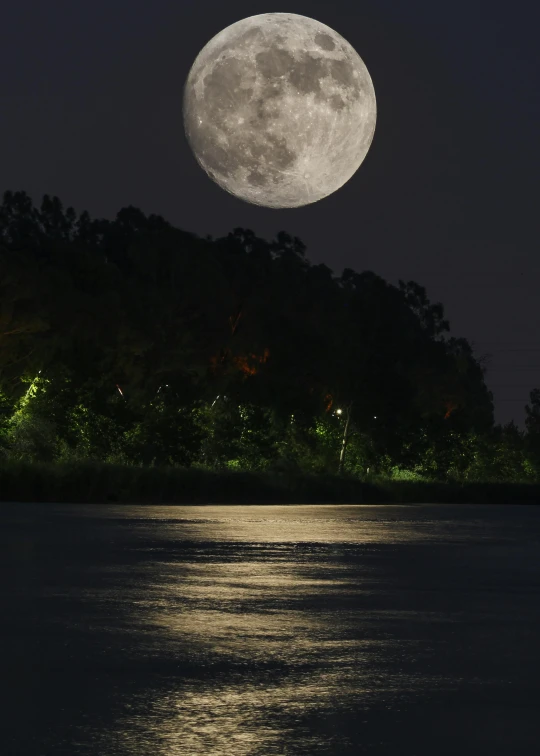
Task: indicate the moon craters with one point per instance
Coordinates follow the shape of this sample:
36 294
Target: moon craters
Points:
325 41
279 110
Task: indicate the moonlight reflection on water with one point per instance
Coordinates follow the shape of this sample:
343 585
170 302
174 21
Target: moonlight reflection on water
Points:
271 630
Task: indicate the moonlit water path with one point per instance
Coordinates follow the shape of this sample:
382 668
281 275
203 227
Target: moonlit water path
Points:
260 631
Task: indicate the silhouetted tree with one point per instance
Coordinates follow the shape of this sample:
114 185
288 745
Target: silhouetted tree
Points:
148 344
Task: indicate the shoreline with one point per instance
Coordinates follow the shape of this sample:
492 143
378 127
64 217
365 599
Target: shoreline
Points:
102 483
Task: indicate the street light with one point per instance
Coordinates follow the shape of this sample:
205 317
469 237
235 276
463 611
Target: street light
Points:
339 411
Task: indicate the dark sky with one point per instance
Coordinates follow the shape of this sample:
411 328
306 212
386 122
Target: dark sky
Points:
91 110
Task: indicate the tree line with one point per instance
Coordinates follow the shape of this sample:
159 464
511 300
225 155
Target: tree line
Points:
130 340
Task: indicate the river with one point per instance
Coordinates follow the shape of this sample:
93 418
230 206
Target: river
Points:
269 631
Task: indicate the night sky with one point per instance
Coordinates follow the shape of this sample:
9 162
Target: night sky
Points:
91 111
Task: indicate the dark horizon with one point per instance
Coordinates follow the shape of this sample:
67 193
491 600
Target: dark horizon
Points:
92 113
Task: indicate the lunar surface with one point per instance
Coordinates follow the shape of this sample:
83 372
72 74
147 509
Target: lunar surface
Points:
279 110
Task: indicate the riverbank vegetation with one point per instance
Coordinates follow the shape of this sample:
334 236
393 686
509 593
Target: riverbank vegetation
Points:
87 482
135 351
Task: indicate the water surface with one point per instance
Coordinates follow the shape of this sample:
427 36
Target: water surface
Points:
265 631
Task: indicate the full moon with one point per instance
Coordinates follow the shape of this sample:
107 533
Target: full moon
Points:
279 110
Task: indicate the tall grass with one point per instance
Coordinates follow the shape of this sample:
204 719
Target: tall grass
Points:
96 482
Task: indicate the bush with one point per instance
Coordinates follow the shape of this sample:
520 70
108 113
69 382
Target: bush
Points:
97 482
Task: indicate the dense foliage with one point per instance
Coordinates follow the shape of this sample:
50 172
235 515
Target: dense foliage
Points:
131 341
